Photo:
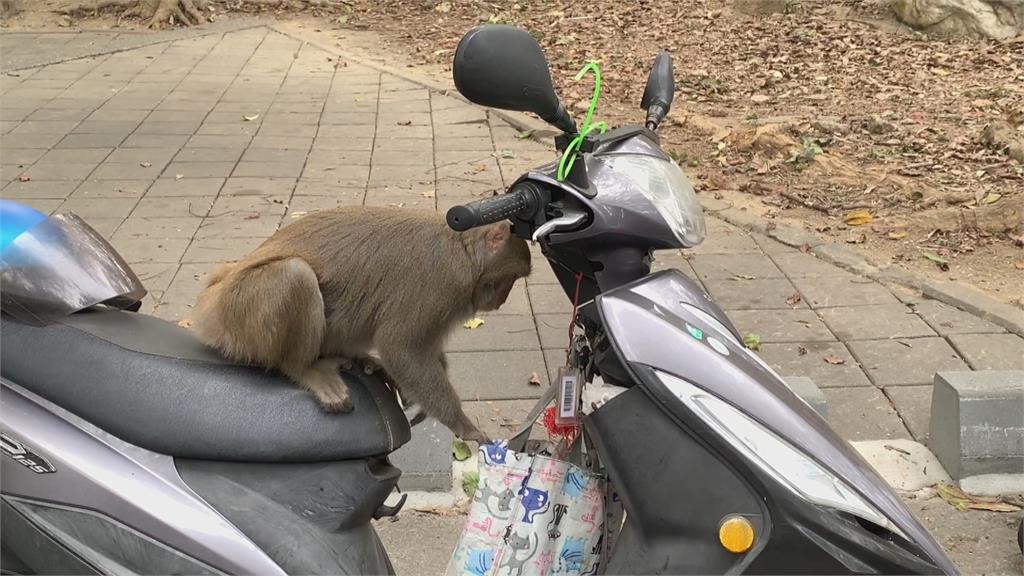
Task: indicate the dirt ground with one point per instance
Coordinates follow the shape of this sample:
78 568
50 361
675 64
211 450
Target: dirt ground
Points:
829 115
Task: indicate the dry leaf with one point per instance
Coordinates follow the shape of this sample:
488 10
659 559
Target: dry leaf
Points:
991 198
186 323
856 238
145 164
179 176
250 118
24 178
534 379
473 324
738 277
752 341
960 500
298 214
794 299
404 123
428 194
857 218
897 234
253 216
805 248
1019 264
801 351
833 359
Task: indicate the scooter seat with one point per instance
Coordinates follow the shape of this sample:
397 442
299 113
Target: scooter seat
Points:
154 384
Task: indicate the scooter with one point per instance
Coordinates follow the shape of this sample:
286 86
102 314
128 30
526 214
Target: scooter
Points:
129 447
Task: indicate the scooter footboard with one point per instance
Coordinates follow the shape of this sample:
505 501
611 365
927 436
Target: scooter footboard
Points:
311 518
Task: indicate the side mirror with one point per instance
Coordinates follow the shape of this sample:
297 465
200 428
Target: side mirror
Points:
504 67
658 93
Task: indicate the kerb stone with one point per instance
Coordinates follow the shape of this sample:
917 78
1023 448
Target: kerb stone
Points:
977 422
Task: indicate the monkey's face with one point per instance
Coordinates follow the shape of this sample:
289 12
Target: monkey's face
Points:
507 260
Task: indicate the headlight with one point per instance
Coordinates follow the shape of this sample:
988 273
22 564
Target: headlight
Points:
788 466
668 189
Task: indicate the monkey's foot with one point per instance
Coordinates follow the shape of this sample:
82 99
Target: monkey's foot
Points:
473 434
324 381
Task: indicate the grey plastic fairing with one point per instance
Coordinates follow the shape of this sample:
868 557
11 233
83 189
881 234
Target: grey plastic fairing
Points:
310 518
647 323
620 216
153 384
99 472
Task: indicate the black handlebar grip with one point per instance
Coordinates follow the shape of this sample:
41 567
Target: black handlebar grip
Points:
485 211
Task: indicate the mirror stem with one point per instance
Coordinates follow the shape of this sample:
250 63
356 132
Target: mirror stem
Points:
562 120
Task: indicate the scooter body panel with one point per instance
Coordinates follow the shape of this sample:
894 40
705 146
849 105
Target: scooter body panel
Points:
83 500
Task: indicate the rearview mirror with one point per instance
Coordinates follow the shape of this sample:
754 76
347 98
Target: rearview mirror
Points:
661 86
504 67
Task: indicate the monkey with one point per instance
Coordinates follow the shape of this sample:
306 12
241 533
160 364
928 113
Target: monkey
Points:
338 283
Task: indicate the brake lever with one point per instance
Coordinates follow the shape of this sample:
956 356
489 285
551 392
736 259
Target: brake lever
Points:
568 219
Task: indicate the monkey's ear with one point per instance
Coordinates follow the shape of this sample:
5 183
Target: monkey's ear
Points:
496 237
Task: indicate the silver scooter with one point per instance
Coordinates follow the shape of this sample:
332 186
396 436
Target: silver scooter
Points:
131 448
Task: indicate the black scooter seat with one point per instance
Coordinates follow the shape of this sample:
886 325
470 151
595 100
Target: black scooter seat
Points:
155 385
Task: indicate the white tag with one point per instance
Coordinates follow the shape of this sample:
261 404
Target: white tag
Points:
568 396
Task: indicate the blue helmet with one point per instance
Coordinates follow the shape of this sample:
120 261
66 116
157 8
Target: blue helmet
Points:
16 218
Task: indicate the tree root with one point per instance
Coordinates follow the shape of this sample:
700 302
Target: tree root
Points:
156 13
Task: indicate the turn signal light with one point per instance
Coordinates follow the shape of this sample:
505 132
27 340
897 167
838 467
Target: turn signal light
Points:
736 534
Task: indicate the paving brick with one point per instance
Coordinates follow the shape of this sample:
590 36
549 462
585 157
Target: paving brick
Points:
144 227
809 392
135 249
549 299
173 207
947 320
59 170
244 186
905 361
71 155
800 325
734 266
760 294
38 189
218 141
726 242
29 127
178 170
824 292
977 422
500 418
788 360
282 142
156 277
495 375
111 189
504 332
871 322
99 207
553 330
185 187
105 226
269 169
155 141
914 405
209 154
426 460
206 250
863 414
177 301
156 157
21 155
124 171
797 264
45 205
991 351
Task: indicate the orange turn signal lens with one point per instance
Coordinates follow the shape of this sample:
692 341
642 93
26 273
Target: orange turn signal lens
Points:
736 534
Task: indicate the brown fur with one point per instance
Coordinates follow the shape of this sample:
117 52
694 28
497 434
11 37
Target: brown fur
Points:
335 284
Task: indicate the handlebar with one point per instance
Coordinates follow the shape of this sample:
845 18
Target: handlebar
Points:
520 200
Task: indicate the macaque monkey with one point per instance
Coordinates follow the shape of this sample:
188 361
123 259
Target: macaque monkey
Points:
338 283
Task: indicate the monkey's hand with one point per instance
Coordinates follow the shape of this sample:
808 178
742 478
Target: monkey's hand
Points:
474 435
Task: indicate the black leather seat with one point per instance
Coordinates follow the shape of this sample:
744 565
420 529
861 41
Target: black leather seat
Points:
153 384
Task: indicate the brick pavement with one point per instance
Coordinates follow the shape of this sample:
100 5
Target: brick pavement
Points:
190 151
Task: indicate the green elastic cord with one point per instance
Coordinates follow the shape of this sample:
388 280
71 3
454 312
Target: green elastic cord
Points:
569 157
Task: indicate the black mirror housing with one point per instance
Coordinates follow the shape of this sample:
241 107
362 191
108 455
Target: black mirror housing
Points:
660 89
503 67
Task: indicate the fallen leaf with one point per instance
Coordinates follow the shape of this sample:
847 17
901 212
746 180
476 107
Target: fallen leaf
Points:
298 214
186 323
507 154
940 71
461 451
404 123
470 481
525 134
752 341
794 299
857 218
145 164
253 216
805 248
941 262
473 324
250 118
428 194
856 238
991 198
897 234
179 176
896 449
801 351
1019 264
960 500
24 178
833 359
534 379
396 204
742 277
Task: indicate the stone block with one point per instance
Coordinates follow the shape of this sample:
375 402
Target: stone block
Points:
809 392
977 423
426 460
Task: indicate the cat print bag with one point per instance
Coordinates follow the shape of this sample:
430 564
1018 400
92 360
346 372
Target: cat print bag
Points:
531 515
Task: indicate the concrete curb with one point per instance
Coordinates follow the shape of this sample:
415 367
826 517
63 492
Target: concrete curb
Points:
955 294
